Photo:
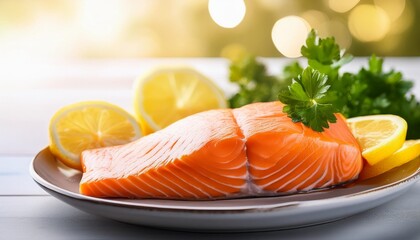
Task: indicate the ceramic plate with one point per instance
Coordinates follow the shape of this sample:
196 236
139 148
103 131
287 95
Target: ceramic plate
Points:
247 214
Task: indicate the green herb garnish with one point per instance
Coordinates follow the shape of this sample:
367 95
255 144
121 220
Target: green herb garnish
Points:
255 85
308 101
312 95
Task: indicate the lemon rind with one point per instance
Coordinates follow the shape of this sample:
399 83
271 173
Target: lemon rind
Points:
385 148
67 157
138 97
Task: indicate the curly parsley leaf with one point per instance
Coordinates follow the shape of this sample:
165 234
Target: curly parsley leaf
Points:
324 51
371 90
307 100
375 91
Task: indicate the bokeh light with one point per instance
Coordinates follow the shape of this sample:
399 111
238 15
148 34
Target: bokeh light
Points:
368 23
289 34
227 14
342 6
276 5
315 18
85 29
404 22
394 8
338 30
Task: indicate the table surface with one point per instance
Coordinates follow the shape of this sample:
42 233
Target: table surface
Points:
27 103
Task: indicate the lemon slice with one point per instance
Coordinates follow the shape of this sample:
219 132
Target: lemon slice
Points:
409 151
168 94
378 135
86 125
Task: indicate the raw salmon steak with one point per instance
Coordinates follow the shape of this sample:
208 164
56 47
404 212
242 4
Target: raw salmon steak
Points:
255 150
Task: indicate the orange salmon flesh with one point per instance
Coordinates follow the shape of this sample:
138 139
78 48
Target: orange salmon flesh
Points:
255 150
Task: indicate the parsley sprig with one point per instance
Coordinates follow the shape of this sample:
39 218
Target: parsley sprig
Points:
308 100
313 94
255 85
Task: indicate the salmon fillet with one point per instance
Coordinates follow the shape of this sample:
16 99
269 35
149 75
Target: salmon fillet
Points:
288 157
255 150
202 156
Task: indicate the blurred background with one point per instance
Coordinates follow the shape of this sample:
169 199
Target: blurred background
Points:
83 29
56 52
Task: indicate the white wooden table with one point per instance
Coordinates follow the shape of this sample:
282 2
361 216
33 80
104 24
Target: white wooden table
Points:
29 97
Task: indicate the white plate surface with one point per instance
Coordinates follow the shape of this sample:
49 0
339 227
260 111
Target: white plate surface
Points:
247 214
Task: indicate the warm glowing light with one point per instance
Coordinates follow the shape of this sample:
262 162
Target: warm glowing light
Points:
42 38
338 30
271 5
404 22
368 23
227 13
102 21
315 18
289 34
394 8
342 6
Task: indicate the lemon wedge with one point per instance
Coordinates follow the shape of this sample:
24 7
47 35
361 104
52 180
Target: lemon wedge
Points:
168 94
378 135
86 125
409 151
